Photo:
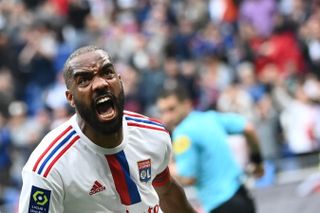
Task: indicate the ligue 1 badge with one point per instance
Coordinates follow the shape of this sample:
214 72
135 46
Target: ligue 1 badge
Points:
39 200
144 170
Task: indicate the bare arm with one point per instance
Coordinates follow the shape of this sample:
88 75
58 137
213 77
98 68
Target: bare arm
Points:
173 198
184 181
256 161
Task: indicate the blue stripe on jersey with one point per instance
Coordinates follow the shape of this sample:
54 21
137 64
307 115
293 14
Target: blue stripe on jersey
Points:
132 187
66 139
143 121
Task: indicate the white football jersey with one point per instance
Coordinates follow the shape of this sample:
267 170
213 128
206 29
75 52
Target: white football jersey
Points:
69 173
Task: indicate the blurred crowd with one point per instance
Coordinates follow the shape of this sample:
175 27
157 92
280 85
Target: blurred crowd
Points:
260 58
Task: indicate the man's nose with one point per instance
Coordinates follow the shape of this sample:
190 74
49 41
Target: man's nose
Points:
99 82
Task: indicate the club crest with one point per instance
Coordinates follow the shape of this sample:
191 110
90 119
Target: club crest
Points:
144 170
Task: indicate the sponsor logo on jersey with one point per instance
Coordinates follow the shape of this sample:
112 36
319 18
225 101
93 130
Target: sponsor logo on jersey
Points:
96 187
144 170
39 200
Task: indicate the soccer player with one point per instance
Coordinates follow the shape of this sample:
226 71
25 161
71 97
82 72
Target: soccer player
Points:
203 157
103 159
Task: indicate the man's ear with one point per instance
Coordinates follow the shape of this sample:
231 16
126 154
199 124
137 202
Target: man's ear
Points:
69 97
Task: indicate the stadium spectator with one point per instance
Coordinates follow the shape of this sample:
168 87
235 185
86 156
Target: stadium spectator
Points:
276 37
5 157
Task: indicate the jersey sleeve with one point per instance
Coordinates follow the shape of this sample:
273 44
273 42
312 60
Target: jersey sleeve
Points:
39 194
185 154
162 178
163 175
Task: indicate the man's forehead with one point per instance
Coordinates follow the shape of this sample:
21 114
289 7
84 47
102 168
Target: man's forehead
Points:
168 101
90 59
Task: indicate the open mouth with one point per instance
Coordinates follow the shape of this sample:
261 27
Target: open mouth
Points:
105 108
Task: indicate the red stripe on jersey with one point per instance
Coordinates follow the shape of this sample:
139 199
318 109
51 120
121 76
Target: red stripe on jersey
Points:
146 127
50 146
155 120
162 178
60 154
119 179
134 114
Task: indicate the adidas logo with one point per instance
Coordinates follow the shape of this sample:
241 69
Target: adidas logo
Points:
97 187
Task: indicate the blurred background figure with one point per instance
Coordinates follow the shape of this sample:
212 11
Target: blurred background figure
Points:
267 126
25 132
202 156
298 120
5 157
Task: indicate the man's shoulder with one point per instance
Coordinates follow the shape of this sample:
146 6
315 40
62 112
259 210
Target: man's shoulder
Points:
198 113
144 123
194 123
201 118
51 146
56 134
134 114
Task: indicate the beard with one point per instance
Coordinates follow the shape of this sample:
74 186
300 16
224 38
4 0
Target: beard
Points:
88 114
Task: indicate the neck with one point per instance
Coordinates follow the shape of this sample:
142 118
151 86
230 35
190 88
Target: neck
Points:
103 140
185 114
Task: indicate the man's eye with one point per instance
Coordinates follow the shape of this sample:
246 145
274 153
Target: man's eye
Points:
83 81
108 73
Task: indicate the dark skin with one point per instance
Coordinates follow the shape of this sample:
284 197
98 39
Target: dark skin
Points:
94 80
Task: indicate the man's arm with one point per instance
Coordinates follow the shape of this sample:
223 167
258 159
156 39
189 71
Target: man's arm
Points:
184 181
39 193
173 198
256 161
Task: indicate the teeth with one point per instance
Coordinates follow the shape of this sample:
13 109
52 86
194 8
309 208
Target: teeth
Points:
101 100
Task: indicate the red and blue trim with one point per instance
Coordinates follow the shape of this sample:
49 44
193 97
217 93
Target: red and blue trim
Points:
125 186
133 114
138 120
145 121
54 151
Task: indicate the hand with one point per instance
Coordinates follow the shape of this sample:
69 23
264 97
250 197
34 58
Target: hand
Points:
256 170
